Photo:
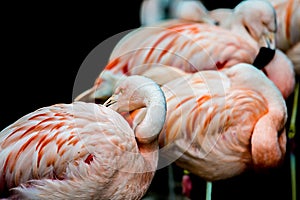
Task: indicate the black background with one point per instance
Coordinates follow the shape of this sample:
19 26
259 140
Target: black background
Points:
42 48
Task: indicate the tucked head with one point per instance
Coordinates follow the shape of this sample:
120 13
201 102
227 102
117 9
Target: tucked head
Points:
136 92
259 19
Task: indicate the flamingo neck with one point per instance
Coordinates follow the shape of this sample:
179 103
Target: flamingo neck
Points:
147 131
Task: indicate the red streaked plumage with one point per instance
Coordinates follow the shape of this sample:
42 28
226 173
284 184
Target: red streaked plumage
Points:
288 33
83 150
217 121
188 46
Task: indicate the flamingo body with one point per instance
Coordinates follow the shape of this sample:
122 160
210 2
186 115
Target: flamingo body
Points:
252 20
188 46
220 124
287 34
79 150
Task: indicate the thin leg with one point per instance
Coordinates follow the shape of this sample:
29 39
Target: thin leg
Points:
208 190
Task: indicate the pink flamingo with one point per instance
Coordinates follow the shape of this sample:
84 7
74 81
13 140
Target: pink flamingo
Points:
287 36
84 150
221 123
189 46
254 20
288 33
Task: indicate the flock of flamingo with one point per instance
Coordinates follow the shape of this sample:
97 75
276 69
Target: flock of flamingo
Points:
205 89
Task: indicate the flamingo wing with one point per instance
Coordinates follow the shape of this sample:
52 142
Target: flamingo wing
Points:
185 45
211 127
188 46
47 143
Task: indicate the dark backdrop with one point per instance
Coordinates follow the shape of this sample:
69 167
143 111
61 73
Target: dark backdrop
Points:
43 46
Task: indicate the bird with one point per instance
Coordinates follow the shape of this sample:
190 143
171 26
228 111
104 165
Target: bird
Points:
192 11
287 35
288 20
254 20
186 45
153 11
85 150
221 123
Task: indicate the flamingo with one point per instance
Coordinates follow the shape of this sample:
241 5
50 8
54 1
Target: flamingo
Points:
193 11
84 150
221 123
288 19
254 20
287 36
153 11
186 45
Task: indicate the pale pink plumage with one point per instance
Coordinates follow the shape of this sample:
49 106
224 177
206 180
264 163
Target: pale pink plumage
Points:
189 46
153 11
294 55
288 33
288 20
220 124
82 150
253 20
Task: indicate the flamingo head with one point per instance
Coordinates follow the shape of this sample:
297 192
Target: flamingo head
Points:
259 19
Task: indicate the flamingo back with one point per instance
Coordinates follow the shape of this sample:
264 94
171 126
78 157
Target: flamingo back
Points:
211 118
71 149
185 45
188 46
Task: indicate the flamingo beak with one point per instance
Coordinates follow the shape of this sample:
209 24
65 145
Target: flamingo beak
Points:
111 102
269 40
267 51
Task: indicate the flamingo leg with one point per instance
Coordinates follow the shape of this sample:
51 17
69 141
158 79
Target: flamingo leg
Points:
171 182
208 190
291 136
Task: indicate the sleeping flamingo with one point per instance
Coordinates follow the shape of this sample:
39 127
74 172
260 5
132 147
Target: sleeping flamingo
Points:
84 150
254 20
287 36
186 45
221 123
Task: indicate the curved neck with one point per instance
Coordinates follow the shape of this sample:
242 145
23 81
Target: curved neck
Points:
147 131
